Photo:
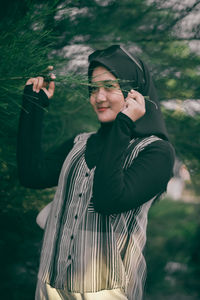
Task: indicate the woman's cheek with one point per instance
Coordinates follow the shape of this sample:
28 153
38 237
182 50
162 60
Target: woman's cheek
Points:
92 101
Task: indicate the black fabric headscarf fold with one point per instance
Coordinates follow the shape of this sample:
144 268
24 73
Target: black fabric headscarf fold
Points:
132 73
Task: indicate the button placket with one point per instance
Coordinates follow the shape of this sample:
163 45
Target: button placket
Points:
71 246
85 180
72 233
81 192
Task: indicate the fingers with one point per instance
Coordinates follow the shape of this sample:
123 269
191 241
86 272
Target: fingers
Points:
50 68
50 91
136 96
51 88
136 100
134 105
39 83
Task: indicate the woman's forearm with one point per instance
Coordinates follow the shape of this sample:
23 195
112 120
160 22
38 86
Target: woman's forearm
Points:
117 190
37 169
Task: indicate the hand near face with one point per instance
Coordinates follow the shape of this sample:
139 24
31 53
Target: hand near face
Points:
39 83
134 106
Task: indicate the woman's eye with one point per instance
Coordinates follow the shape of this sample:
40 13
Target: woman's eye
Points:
109 86
94 88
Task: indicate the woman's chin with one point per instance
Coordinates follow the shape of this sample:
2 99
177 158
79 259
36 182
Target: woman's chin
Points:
105 118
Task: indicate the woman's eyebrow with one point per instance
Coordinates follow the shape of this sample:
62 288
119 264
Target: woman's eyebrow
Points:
105 81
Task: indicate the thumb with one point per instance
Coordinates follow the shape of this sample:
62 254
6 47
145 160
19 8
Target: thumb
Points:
50 90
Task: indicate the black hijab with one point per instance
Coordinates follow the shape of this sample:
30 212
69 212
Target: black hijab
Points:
132 73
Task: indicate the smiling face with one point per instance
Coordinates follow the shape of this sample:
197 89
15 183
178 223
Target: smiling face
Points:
106 97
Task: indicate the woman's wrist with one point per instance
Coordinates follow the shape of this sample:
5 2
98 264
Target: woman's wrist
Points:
40 98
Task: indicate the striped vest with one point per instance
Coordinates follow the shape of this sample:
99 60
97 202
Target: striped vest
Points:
84 251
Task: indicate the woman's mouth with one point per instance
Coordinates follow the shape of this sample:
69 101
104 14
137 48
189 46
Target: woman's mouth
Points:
101 109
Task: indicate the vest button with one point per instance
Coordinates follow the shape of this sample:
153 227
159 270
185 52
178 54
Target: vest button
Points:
69 257
80 195
76 217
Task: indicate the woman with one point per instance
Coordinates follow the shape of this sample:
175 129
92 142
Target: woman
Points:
106 182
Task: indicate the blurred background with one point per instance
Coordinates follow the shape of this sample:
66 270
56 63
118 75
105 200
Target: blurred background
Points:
166 34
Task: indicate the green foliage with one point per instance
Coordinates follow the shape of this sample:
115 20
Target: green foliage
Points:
184 134
32 34
23 55
173 232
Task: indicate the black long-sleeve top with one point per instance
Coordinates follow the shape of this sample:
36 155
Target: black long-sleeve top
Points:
114 189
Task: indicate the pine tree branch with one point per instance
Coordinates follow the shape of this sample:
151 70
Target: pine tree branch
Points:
182 16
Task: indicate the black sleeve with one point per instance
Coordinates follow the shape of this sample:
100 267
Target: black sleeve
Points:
35 168
116 190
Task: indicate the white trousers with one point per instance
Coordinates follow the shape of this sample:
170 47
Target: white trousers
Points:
45 292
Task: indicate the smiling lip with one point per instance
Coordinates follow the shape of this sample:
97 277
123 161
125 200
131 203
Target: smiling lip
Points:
102 108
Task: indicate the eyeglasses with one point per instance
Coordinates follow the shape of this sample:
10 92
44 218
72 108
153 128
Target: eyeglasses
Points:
111 50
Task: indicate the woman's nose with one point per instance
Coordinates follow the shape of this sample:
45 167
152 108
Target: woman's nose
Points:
101 95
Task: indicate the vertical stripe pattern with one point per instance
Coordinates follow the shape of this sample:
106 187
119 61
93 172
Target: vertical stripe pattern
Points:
84 251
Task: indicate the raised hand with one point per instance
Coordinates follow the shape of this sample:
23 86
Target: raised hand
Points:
134 106
39 83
